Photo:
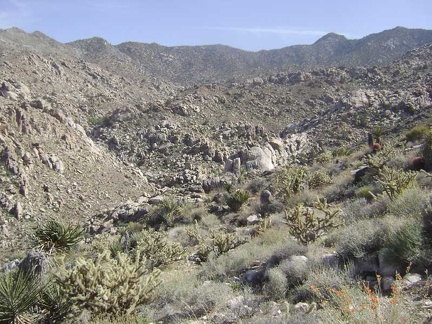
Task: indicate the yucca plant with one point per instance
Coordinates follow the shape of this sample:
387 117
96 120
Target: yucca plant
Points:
55 302
18 294
237 199
54 235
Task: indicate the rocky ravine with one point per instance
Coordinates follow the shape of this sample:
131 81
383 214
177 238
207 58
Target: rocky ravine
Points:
77 138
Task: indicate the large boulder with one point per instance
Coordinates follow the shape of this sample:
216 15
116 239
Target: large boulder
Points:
260 158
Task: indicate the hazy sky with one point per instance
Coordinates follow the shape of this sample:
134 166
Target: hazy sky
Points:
245 24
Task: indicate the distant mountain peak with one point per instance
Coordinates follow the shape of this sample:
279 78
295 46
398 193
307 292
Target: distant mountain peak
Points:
331 38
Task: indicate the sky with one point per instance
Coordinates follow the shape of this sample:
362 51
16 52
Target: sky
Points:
246 24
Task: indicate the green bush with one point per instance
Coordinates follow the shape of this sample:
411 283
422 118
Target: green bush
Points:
318 179
166 214
361 237
357 209
404 242
295 270
417 133
365 192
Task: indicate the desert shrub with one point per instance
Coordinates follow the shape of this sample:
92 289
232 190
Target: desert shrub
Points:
427 232
352 210
362 237
198 214
306 227
268 209
411 203
134 227
113 285
404 242
417 133
184 296
341 188
277 284
217 242
316 286
357 209
285 251
235 262
19 292
206 297
365 192
352 302
177 296
256 185
426 151
54 235
324 157
295 270
121 319
341 151
236 200
150 245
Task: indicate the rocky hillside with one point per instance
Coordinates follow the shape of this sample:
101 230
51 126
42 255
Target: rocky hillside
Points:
110 138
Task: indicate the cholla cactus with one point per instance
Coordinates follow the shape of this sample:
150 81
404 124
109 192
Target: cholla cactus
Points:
394 182
306 227
218 242
290 181
223 242
154 247
115 285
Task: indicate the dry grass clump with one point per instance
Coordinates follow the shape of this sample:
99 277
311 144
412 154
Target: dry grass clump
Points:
357 209
411 203
342 188
259 249
277 284
185 297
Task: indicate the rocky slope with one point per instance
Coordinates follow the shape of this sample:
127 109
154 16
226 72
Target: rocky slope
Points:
77 137
96 135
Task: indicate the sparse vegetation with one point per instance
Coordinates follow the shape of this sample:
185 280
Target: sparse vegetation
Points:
274 196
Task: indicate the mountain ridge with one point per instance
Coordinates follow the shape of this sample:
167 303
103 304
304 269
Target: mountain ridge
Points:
215 63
